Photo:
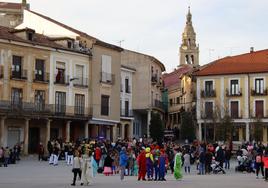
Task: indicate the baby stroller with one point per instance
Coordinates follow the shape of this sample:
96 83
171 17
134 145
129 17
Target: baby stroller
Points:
216 168
245 165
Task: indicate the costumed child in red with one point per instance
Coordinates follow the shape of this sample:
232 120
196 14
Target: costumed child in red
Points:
142 165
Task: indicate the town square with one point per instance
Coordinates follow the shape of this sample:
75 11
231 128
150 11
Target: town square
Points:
137 93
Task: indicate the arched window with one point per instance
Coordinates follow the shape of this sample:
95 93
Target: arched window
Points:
189 42
187 59
192 59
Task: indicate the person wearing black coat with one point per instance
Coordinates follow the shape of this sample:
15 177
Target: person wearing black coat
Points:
208 161
227 155
202 161
220 156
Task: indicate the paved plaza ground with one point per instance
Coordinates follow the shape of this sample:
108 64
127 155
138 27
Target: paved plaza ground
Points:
30 173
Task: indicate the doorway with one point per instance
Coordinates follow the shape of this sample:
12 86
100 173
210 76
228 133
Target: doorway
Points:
34 139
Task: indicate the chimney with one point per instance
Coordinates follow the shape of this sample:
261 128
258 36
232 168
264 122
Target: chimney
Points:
25 5
251 49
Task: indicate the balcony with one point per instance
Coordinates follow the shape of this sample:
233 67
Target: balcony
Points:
107 78
236 115
159 83
260 115
158 104
207 116
20 107
255 92
61 80
80 82
44 77
229 93
208 94
18 74
39 109
126 113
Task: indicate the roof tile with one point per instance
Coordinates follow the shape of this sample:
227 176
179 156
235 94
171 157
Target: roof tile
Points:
254 62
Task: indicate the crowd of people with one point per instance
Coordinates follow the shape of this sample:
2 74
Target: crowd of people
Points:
147 160
9 155
150 161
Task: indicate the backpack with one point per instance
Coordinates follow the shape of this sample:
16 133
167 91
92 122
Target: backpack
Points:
258 159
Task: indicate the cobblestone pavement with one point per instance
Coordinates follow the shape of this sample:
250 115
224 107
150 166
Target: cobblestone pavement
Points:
30 173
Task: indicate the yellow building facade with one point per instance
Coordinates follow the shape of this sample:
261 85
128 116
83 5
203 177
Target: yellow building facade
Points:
236 86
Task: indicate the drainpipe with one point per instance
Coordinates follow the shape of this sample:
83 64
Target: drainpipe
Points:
249 118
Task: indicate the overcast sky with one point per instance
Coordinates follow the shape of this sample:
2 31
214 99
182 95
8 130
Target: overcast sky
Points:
154 27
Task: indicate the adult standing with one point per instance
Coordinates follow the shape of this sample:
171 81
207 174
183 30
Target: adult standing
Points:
123 158
187 164
208 161
86 168
202 161
41 152
70 155
220 155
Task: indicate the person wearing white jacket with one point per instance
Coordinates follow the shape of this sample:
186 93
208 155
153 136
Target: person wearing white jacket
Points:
76 167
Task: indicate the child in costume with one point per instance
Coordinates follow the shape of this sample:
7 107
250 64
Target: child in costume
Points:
156 164
177 166
163 162
142 165
135 168
149 163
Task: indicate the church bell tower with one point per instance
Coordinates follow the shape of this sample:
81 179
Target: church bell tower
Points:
189 51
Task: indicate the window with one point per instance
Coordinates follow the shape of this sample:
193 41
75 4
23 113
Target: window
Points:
192 59
234 109
39 99
105 105
259 86
170 102
189 42
152 98
259 108
187 59
127 88
126 108
16 97
60 76
79 108
208 109
106 70
209 87
17 67
178 100
79 75
69 44
234 87
1 57
60 102
30 36
39 69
